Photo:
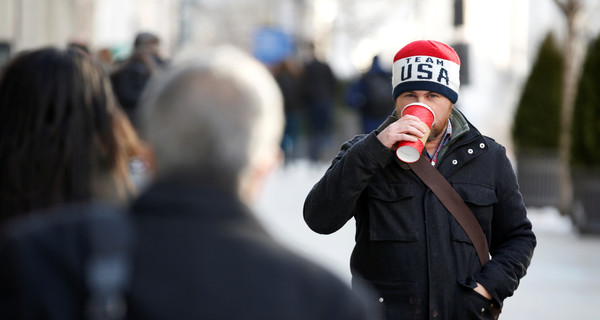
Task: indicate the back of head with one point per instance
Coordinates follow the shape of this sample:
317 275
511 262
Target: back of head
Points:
58 132
146 42
144 38
215 115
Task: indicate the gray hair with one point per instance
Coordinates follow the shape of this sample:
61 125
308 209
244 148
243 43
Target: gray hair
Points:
215 115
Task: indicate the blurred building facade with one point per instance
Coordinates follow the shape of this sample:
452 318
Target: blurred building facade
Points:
96 23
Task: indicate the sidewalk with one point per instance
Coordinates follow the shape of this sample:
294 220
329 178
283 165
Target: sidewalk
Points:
563 281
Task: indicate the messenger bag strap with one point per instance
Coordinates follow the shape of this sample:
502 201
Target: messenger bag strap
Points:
454 203
108 273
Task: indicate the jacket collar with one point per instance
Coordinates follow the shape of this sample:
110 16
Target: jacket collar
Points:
191 196
467 144
460 126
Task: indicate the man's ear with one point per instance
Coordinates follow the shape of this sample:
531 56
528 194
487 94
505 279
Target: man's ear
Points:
259 174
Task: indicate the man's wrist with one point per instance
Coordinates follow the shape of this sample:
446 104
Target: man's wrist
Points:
483 291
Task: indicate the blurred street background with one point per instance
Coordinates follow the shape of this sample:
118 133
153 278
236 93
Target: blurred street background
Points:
498 40
510 51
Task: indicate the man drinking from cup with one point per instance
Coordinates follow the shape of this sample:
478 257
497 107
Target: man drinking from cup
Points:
408 245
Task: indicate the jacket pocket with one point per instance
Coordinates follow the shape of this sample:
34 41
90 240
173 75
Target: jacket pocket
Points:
480 199
471 305
399 299
392 213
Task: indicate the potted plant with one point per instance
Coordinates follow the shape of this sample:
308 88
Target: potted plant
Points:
585 152
535 140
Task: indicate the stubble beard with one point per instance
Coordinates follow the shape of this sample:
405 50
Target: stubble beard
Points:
436 131
433 134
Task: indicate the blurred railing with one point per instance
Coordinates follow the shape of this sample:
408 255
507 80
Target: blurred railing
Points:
537 172
586 200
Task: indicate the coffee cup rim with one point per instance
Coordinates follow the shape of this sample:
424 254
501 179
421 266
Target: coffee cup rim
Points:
419 104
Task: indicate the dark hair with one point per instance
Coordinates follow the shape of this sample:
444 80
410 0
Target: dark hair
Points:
145 38
59 127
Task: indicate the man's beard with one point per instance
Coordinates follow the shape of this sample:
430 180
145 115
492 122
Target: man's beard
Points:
435 133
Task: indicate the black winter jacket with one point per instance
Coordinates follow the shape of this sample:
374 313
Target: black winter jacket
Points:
407 244
201 254
198 253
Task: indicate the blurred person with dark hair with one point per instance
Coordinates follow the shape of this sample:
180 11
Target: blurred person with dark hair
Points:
215 123
130 78
65 149
288 75
370 94
319 85
63 138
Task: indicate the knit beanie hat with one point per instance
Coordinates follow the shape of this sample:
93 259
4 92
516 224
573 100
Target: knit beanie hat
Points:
426 65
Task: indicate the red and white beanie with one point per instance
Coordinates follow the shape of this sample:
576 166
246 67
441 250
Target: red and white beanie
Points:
426 65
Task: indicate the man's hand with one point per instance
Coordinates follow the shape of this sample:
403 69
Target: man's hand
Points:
407 128
483 291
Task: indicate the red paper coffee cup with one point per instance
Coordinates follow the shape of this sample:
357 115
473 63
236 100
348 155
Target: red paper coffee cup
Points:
409 151
421 111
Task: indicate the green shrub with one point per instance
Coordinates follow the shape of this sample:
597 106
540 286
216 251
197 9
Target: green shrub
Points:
536 124
586 114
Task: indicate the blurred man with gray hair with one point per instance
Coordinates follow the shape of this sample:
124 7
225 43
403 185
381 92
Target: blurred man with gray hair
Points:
215 123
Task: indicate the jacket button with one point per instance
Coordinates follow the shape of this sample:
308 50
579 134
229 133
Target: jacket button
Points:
454 162
482 145
482 309
381 299
470 151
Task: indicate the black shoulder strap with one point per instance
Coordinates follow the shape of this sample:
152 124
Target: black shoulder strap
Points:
108 266
454 203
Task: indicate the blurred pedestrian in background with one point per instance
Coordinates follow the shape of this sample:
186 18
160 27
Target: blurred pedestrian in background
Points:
106 59
216 123
288 75
81 45
319 85
63 137
131 76
371 95
65 148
